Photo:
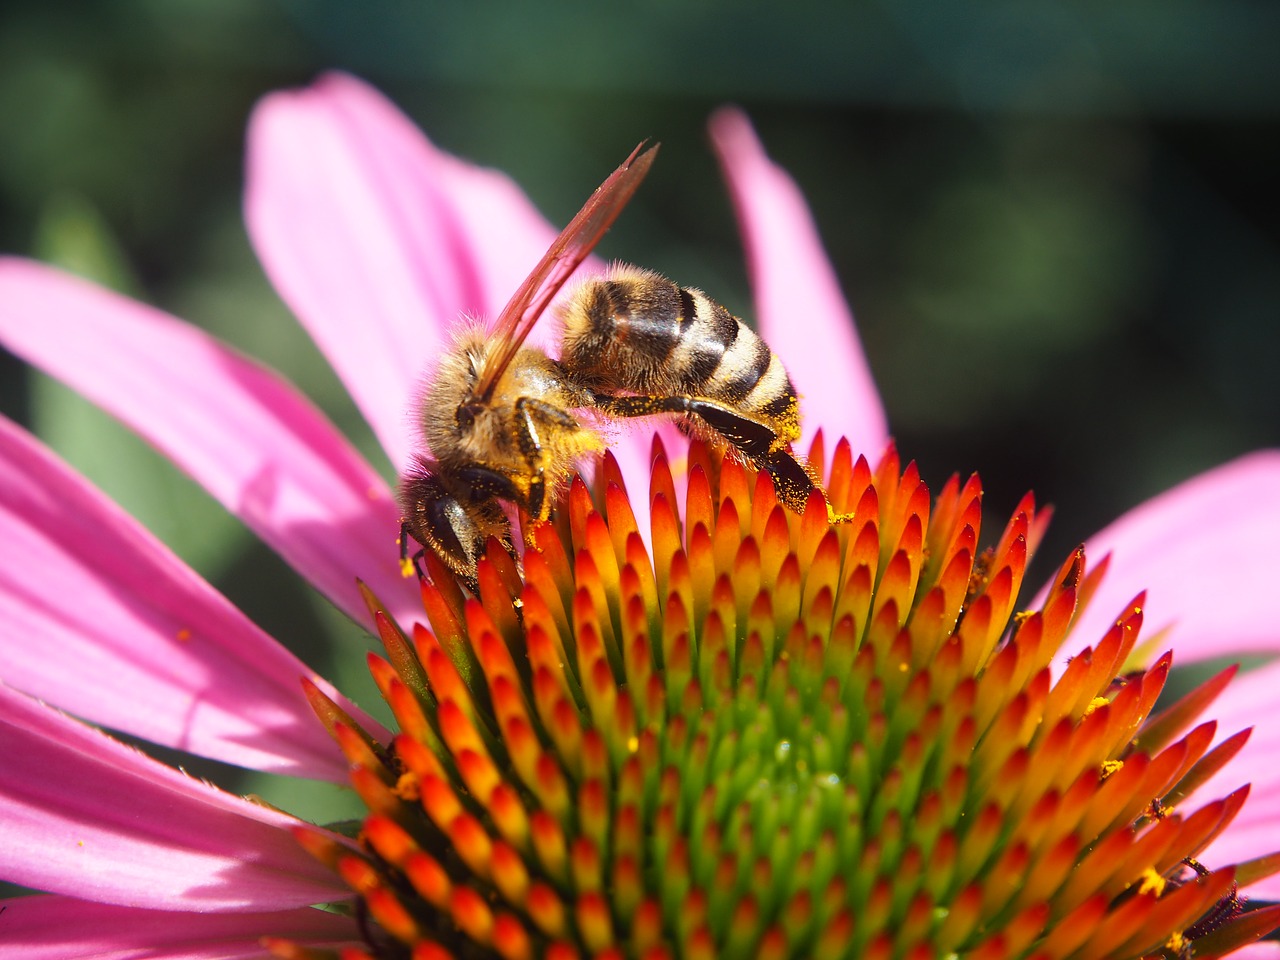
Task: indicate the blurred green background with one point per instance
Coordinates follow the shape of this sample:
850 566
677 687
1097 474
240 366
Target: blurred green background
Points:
1056 223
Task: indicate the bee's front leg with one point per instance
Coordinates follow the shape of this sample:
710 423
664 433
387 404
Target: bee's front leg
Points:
410 564
533 417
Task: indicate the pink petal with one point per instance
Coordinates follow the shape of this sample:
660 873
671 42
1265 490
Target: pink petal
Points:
1205 552
251 439
54 928
86 816
801 311
100 619
379 241
1249 701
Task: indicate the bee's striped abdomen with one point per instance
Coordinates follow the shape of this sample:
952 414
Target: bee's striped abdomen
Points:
638 331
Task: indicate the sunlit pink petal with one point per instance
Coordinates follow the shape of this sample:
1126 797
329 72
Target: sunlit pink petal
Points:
1204 552
801 311
85 816
1249 701
1268 950
100 619
55 928
377 240
250 438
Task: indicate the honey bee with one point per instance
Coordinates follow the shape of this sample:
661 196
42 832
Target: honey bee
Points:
507 423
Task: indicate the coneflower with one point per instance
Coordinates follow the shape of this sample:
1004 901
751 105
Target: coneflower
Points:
767 736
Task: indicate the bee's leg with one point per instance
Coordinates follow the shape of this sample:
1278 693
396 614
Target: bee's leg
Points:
486 488
409 565
530 412
484 484
757 441
792 482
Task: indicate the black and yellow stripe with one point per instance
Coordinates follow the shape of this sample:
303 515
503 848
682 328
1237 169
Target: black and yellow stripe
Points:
639 332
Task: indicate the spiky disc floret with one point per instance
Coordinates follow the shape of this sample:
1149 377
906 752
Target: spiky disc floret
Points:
771 737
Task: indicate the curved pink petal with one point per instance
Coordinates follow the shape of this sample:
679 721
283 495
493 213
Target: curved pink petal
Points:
85 816
377 240
801 311
100 619
247 436
1249 701
1205 552
55 928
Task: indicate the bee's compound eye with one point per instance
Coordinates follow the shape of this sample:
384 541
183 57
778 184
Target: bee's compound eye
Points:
466 416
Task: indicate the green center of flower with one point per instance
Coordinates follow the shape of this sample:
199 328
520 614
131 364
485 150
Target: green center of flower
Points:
766 736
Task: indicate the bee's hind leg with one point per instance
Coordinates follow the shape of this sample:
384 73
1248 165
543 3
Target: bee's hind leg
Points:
758 442
755 439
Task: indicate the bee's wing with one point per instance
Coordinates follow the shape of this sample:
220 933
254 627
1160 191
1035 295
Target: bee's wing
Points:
574 244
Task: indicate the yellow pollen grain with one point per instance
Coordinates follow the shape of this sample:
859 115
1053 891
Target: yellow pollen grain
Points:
1109 767
1094 704
1152 883
1176 944
406 568
1022 616
633 744
408 787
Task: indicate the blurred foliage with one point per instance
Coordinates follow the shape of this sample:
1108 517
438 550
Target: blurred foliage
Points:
1054 222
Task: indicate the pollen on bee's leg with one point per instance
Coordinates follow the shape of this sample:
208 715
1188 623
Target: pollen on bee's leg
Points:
410 563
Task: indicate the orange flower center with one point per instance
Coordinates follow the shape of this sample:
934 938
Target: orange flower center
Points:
756 734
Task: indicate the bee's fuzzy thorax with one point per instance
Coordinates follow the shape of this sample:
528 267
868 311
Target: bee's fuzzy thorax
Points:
449 385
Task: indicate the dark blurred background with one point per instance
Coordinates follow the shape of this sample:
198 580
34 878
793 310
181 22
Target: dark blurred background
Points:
1056 223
